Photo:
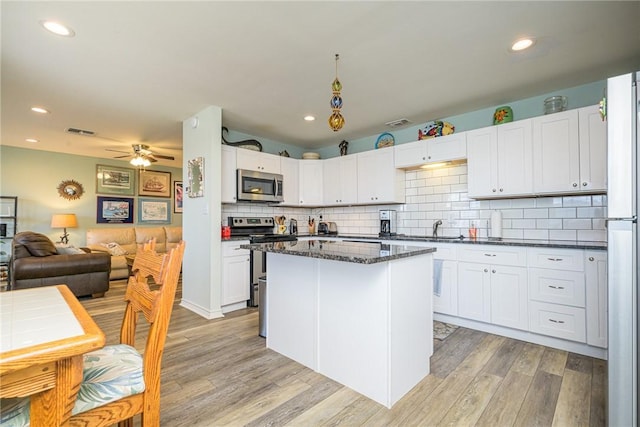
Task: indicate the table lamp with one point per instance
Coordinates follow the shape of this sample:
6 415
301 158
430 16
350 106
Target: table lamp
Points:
64 221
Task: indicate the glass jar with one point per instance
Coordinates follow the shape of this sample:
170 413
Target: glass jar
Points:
555 104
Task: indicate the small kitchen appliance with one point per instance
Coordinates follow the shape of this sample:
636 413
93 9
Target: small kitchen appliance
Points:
293 226
327 228
387 223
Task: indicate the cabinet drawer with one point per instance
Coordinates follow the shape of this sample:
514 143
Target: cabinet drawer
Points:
558 321
558 259
233 248
557 286
494 255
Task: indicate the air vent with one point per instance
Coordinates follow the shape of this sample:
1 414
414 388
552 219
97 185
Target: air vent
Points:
80 132
398 123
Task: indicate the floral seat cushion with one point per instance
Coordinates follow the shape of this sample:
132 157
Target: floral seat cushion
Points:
108 374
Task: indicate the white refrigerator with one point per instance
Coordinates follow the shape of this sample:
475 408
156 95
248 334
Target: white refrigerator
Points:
622 234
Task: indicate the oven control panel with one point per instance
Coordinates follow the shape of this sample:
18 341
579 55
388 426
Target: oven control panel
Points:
250 222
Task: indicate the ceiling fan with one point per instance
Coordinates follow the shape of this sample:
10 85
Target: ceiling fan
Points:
141 155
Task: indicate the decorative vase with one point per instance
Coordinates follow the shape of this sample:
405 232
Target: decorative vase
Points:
503 115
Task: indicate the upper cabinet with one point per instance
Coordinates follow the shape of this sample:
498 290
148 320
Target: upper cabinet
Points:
450 147
499 161
258 161
378 179
229 158
290 181
340 180
570 150
310 179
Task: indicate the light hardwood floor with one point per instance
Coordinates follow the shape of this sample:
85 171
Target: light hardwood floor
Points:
219 373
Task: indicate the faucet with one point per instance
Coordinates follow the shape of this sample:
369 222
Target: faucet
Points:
435 227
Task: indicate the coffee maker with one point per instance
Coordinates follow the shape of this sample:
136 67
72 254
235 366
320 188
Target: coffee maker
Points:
387 223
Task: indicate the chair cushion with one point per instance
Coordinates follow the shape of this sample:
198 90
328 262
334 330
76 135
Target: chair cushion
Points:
114 248
37 244
15 412
109 374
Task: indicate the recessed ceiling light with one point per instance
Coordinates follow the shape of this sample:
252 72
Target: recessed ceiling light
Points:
58 28
522 44
32 140
39 110
309 118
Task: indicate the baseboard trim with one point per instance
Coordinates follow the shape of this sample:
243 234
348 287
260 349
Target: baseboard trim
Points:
207 314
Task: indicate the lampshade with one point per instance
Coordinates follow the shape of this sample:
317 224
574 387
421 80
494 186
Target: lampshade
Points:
140 161
64 221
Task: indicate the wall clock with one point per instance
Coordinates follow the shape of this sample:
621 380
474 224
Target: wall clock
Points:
70 189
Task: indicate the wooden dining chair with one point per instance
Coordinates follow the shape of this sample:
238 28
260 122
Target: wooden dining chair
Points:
118 382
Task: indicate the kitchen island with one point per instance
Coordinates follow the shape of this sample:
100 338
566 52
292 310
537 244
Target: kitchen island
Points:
358 313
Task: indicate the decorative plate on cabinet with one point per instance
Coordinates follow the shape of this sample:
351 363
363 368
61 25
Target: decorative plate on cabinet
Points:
385 140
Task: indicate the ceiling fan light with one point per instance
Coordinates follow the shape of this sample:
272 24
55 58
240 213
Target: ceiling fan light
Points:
58 28
522 44
140 161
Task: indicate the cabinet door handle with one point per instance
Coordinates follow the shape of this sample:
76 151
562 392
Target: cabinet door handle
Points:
591 258
486 270
554 259
556 321
584 184
493 271
555 287
489 254
494 190
501 190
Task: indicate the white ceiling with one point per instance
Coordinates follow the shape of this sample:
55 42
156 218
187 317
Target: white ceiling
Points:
135 70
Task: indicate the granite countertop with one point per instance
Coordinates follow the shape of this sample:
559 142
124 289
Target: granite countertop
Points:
356 252
568 244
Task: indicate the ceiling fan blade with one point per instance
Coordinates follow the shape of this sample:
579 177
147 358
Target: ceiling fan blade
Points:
117 151
160 156
122 157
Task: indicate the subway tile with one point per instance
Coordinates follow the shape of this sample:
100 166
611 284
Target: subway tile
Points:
442 189
571 201
592 235
513 234
471 214
460 205
500 204
443 206
435 215
536 234
523 203
562 234
576 224
562 212
425 190
451 197
418 215
426 207
459 188
458 170
598 212
536 213
599 224
440 172
451 180
409 175
433 198
463 179
410 191
451 215
523 223
512 213
549 202
549 223
431 182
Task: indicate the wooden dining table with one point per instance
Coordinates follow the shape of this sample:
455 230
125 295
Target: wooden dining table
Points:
44 333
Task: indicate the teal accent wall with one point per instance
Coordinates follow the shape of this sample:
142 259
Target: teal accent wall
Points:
34 175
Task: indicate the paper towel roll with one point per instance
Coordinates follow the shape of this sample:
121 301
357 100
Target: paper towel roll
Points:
496 224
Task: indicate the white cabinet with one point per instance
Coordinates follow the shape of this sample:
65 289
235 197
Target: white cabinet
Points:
570 152
593 150
445 295
228 191
499 160
340 180
596 290
235 274
310 179
258 161
290 181
450 147
492 285
378 179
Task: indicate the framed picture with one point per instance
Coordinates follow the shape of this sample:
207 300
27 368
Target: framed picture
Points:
154 211
115 180
114 210
154 183
177 196
196 177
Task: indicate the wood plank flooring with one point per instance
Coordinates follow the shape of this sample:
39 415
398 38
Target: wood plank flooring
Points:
219 373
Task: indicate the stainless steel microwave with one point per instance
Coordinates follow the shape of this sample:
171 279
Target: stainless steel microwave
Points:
254 186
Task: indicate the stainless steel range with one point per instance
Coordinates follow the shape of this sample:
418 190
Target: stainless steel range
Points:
258 230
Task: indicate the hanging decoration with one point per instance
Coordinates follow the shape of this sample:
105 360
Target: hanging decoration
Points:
336 121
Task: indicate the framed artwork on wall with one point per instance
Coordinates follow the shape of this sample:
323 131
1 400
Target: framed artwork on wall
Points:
114 210
115 180
196 177
177 196
154 183
154 211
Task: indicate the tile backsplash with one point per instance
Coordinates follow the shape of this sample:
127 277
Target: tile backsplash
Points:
442 194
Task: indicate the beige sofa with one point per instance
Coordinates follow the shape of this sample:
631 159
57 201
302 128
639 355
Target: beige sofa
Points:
125 241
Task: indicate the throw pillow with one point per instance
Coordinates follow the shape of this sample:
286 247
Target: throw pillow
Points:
114 248
37 244
68 250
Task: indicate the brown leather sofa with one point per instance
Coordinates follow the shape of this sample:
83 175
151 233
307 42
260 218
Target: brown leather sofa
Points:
35 262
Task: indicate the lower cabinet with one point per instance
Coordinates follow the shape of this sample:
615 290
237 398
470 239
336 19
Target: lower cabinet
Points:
235 274
445 279
595 269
